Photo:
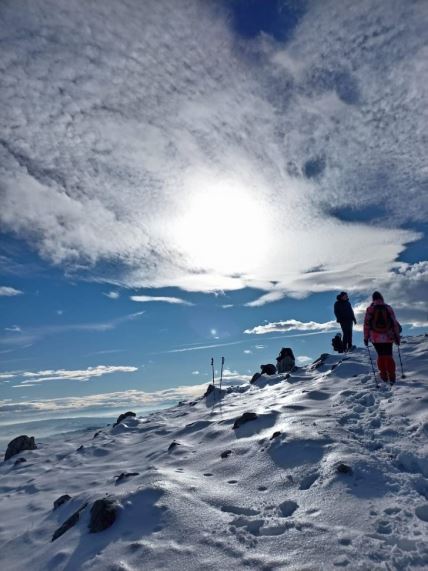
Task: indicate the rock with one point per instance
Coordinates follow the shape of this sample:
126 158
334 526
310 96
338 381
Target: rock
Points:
124 475
19 444
96 434
123 416
173 445
255 377
275 434
61 500
70 522
81 448
343 468
19 461
319 362
103 514
246 417
226 453
209 390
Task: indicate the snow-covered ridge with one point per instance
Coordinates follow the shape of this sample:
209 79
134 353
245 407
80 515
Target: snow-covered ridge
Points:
331 473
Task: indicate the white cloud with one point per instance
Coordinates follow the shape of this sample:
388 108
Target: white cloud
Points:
149 298
303 359
112 294
13 329
67 375
32 334
336 120
291 325
195 372
124 399
247 351
9 291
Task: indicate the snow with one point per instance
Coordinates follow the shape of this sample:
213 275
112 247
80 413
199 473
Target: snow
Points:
333 473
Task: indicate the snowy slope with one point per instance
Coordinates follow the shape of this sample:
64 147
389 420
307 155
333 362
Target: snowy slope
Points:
272 503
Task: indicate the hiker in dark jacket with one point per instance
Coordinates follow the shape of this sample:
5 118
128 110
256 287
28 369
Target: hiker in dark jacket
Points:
345 316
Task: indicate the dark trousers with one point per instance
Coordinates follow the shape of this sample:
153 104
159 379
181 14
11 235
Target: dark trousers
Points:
347 334
383 349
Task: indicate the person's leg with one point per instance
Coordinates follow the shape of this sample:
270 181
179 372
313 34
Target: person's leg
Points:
381 350
347 335
390 363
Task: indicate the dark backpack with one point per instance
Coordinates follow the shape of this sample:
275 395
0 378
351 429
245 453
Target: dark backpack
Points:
381 321
337 343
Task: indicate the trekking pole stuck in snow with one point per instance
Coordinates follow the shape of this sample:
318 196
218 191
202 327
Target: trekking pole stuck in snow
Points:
221 372
374 374
403 376
212 367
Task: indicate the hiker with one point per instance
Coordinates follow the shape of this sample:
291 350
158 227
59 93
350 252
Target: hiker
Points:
382 329
337 343
285 361
345 317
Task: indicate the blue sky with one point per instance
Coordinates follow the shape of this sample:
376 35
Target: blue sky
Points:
187 180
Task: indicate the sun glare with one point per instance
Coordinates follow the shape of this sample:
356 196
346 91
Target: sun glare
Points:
223 227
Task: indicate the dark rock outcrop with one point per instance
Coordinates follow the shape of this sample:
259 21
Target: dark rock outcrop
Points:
319 362
123 416
61 500
246 417
19 444
342 468
226 453
103 514
125 475
275 434
209 390
19 461
173 445
69 523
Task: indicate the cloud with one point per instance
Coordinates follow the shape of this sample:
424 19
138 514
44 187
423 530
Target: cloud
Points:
291 325
30 378
247 351
112 294
9 291
13 328
148 298
195 372
271 148
116 400
303 359
32 334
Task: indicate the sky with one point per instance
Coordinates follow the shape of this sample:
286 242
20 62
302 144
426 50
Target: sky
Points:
187 180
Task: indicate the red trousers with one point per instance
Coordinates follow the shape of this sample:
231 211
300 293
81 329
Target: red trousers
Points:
386 366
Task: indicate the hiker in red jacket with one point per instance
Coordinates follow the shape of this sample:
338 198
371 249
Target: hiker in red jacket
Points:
382 329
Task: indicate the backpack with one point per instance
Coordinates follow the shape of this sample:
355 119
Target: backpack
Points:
337 343
381 321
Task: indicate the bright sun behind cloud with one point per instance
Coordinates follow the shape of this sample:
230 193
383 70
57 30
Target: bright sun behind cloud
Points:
222 225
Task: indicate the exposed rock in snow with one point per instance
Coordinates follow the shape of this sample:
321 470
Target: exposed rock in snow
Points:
103 514
61 500
19 444
123 416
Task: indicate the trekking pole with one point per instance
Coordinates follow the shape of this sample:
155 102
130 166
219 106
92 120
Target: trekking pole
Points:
212 367
221 372
373 369
403 376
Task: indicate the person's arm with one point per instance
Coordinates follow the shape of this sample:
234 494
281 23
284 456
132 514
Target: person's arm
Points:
367 318
336 312
396 325
353 316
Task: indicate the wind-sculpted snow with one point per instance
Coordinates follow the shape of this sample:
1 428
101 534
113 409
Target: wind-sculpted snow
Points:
327 472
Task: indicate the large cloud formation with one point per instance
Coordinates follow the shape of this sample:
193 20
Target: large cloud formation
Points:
147 144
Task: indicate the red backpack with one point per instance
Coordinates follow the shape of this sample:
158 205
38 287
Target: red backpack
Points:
381 321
